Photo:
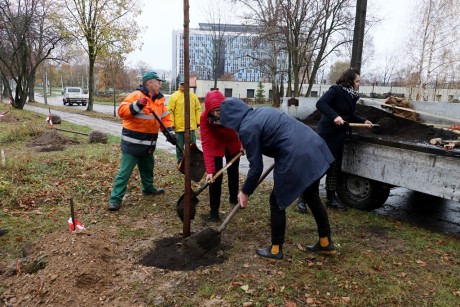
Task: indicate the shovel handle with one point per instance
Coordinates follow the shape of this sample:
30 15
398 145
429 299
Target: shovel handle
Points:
229 218
362 125
237 207
223 169
72 213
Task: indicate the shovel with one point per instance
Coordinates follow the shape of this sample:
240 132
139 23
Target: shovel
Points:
362 125
208 238
180 201
197 167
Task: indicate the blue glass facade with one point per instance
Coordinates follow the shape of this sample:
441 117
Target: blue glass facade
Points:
228 50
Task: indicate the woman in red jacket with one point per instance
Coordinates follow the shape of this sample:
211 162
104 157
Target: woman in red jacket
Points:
217 142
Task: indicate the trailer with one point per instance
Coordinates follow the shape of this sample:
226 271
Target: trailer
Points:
372 166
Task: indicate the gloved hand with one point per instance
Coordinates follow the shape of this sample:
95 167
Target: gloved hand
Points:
171 137
142 102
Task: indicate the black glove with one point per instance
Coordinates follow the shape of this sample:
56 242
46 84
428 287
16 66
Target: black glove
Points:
171 137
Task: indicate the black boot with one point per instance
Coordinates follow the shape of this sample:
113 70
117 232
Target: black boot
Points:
3 232
317 248
332 201
214 216
301 206
266 252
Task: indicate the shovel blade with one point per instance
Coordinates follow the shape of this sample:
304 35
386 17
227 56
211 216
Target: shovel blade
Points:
203 241
180 207
197 167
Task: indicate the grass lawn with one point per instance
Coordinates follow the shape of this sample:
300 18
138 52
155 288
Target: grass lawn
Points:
380 261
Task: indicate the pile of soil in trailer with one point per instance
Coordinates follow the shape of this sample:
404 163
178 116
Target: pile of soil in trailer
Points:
392 128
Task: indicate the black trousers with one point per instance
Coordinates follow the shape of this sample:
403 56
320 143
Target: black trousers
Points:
312 199
215 189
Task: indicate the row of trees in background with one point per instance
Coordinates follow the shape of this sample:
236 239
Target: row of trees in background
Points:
307 32
33 32
303 38
315 35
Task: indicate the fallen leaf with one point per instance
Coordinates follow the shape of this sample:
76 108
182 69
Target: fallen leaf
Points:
299 246
422 263
245 288
236 283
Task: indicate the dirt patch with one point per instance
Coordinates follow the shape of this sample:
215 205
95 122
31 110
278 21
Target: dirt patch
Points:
51 139
393 128
89 267
170 254
8 118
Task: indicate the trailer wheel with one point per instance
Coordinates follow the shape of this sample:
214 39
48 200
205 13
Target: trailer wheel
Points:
361 193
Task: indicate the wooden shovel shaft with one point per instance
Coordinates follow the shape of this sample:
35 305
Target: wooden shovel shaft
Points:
72 213
223 169
362 125
237 207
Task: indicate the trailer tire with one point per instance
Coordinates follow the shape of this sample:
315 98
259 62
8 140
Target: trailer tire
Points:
361 193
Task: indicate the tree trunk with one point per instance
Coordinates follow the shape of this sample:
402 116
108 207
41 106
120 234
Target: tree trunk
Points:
92 60
32 86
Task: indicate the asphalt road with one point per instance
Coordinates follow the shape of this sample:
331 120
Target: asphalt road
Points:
423 210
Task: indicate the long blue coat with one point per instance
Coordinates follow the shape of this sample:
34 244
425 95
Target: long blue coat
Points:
301 156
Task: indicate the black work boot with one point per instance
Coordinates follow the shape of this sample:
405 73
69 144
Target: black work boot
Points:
333 203
301 206
318 248
3 232
153 192
266 252
214 216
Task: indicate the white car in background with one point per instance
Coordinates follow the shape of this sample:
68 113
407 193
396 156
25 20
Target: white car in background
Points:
74 95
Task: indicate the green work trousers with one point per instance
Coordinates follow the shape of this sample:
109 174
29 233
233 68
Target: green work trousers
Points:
180 137
145 165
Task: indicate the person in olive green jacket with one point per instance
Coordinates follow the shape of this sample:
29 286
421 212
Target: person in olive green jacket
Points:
176 109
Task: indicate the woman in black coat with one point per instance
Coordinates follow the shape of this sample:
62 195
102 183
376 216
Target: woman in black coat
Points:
301 159
338 107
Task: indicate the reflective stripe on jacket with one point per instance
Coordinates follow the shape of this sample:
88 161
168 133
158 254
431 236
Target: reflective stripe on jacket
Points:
140 127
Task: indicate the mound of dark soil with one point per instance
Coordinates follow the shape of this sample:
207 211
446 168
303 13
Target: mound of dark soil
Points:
170 254
8 118
393 128
51 137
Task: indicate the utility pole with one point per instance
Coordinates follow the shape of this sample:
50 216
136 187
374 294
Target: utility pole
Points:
358 34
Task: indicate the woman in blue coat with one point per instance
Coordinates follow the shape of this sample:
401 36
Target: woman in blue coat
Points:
301 159
338 107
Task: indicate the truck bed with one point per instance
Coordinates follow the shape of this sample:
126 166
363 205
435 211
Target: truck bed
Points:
419 167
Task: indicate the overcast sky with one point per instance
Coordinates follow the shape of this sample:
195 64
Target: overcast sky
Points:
160 18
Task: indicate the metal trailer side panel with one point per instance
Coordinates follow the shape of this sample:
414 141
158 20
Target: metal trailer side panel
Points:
419 171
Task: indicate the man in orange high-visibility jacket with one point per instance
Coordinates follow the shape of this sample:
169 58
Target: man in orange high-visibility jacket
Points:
139 136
